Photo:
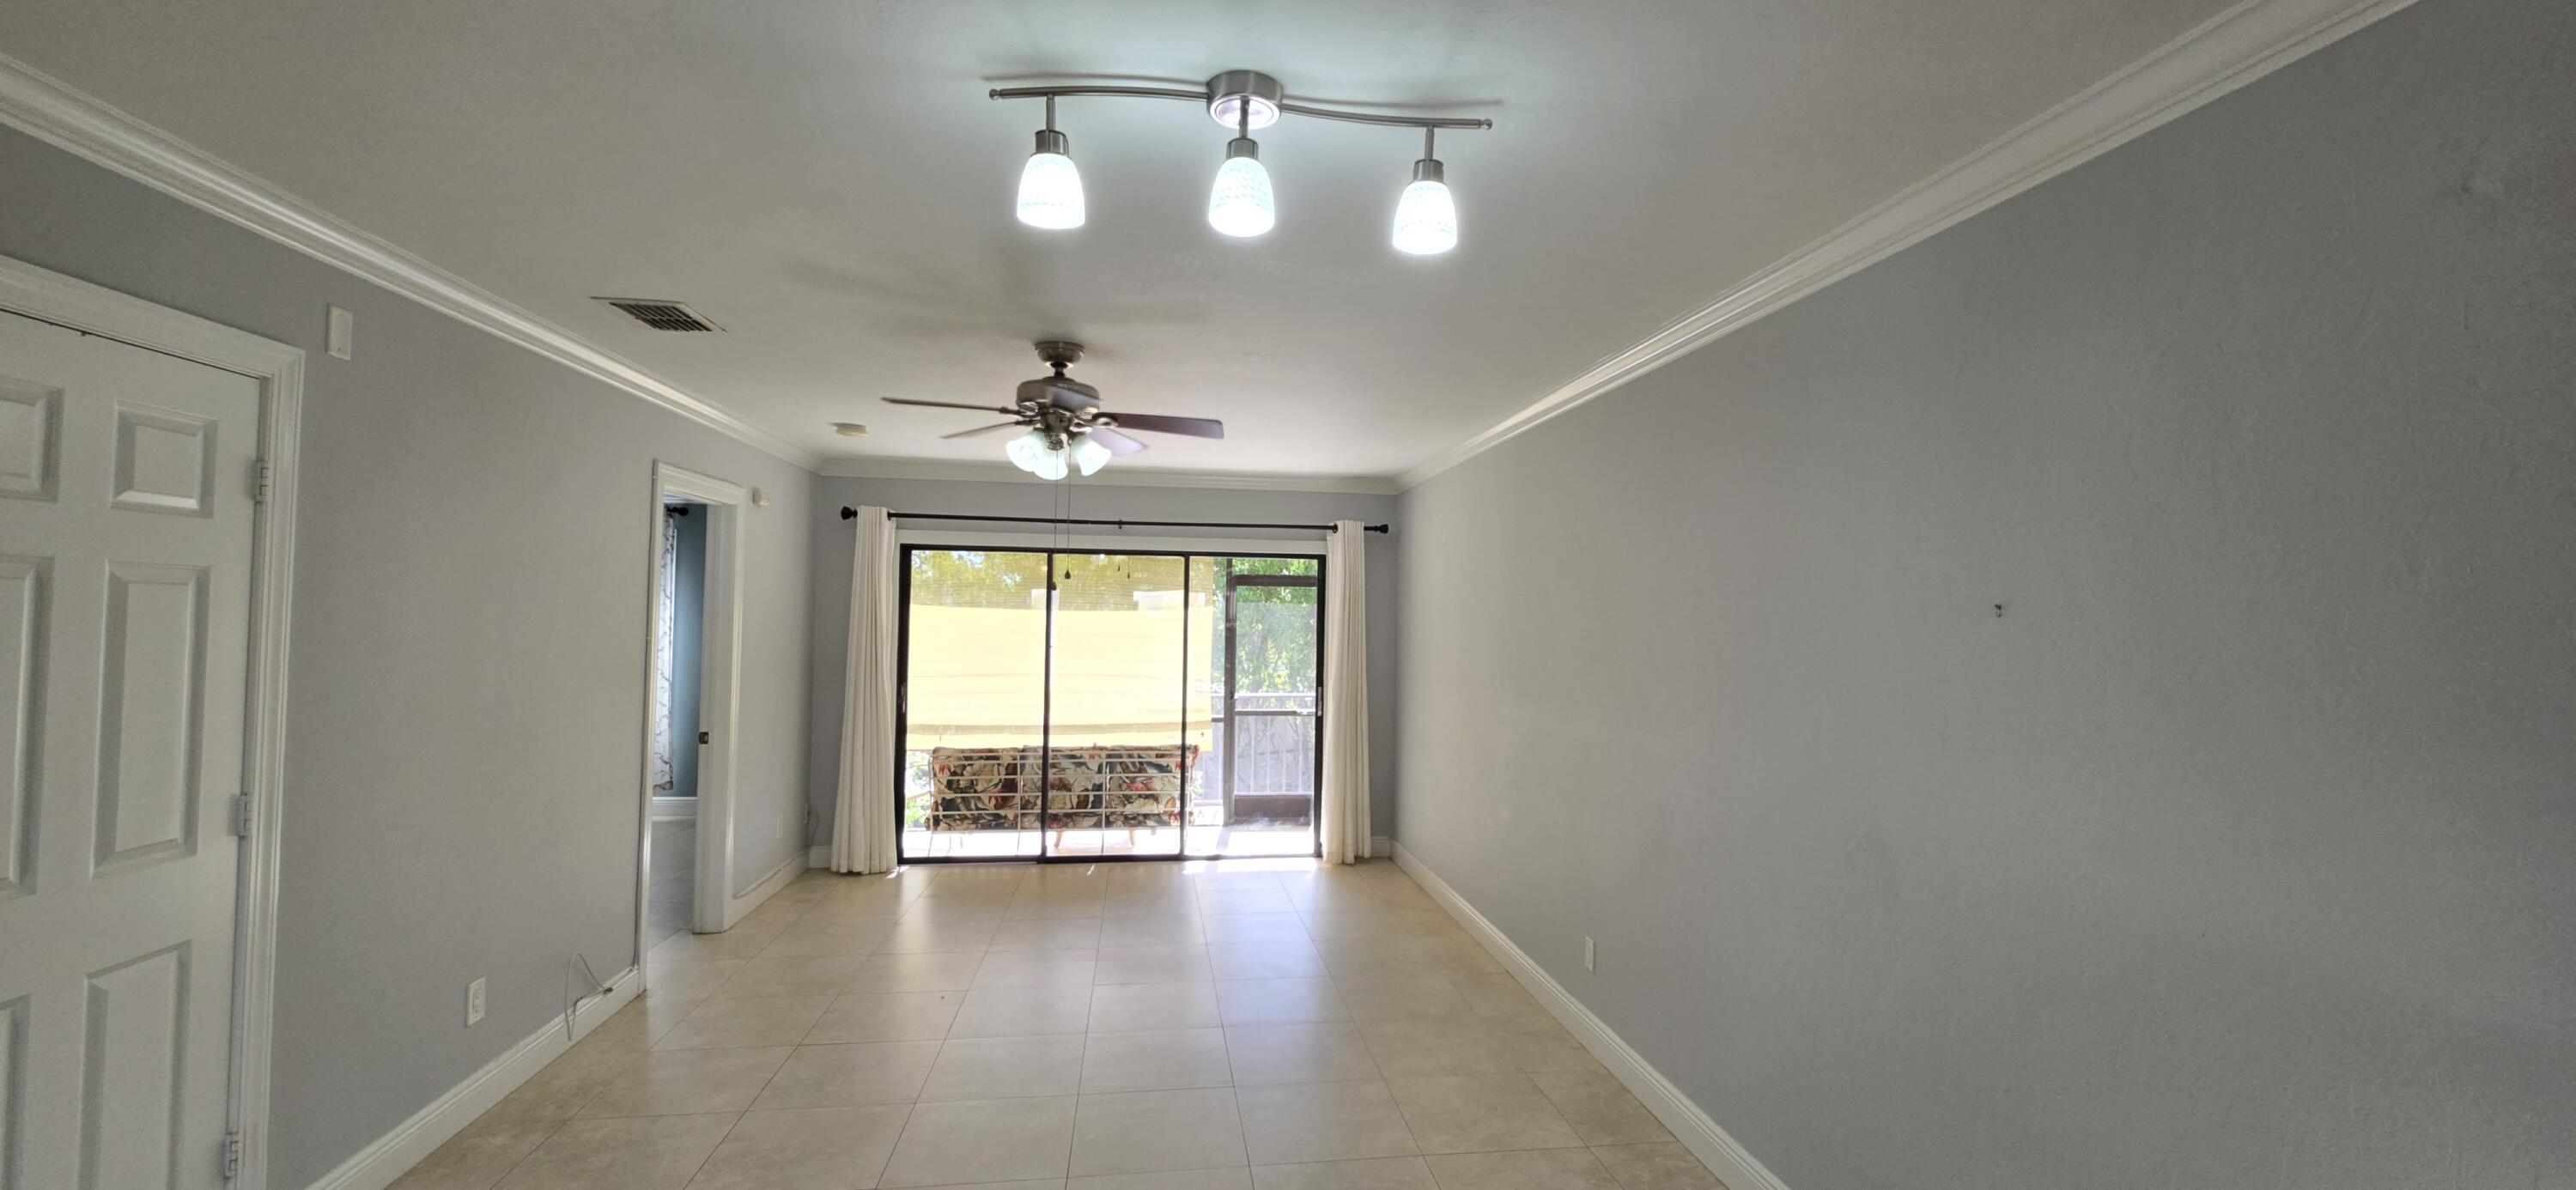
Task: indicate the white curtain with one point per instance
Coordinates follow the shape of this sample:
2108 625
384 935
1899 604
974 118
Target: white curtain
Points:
1346 758
665 641
863 830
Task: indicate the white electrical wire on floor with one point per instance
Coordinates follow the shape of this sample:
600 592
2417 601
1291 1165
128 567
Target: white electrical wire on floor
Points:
573 1003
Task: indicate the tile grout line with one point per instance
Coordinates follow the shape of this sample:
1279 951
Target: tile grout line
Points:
711 1152
1301 914
523 1157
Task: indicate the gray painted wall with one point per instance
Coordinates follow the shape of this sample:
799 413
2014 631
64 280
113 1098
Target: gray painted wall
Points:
834 539
2241 850
465 740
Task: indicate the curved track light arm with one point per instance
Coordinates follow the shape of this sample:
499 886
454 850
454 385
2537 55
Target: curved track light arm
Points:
1202 98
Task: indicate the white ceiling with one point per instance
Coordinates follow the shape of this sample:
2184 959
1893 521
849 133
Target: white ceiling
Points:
829 182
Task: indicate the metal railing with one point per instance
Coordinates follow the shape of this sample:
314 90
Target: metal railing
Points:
1273 753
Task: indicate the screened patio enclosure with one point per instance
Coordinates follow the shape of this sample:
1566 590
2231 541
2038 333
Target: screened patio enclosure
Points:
1082 705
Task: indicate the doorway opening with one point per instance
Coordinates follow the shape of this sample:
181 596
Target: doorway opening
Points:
1077 705
678 650
693 643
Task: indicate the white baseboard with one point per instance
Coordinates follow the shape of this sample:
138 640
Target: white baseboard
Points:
1381 847
394 1153
738 907
1710 1143
668 808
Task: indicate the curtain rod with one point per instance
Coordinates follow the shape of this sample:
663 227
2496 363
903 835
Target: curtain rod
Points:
850 514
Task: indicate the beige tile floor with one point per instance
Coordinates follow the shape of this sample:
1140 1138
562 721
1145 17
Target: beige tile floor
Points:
1250 1025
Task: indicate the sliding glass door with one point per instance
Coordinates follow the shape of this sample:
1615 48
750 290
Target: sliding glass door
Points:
1266 776
974 703
1116 756
1095 706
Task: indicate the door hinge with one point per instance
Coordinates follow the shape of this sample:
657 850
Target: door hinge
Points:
232 1155
263 481
242 814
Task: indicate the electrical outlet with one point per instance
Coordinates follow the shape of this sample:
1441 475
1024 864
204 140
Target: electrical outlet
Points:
1587 952
474 1001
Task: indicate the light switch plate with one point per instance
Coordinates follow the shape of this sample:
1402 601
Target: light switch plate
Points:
474 1001
335 338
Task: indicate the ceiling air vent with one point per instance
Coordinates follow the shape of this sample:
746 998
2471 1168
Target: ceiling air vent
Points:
662 315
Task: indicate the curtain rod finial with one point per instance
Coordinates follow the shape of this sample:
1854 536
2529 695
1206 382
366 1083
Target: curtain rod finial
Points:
848 513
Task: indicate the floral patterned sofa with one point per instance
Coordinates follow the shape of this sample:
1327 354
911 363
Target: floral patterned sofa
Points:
1120 787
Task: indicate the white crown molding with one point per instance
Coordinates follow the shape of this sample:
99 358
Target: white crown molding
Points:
2247 41
1110 476
60 115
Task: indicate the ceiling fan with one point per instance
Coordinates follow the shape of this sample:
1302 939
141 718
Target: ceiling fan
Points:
1067 429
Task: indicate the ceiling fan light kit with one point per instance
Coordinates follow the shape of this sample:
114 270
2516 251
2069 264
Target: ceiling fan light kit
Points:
1240 203
1066 430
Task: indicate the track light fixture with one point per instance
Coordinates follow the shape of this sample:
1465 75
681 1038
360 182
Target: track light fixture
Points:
1050 187
1240 203
1426 218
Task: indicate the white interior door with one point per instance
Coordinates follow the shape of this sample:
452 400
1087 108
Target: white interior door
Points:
125 568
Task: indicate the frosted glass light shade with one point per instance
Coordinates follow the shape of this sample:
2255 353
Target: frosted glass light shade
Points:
1089 455
1024 450
1051 192
1050 465
1239 204
1426 219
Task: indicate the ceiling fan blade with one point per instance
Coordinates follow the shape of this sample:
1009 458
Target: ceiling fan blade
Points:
1118 444
1195 427
1008 425
950 405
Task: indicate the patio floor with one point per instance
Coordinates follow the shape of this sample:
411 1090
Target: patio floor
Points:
1233 842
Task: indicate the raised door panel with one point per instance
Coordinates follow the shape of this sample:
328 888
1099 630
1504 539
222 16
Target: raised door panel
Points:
151 689
22 594
134 1067
30 434
165 460
13 1077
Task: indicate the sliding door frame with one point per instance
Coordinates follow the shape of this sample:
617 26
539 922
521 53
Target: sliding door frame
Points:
1004 543
1233 713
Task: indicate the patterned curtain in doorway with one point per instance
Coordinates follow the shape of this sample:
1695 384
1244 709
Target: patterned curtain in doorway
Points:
663 661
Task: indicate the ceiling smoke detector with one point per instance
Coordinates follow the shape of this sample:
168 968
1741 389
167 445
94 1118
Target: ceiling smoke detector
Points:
661 314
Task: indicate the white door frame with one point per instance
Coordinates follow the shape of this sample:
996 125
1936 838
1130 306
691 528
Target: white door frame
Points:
719 677
81 306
